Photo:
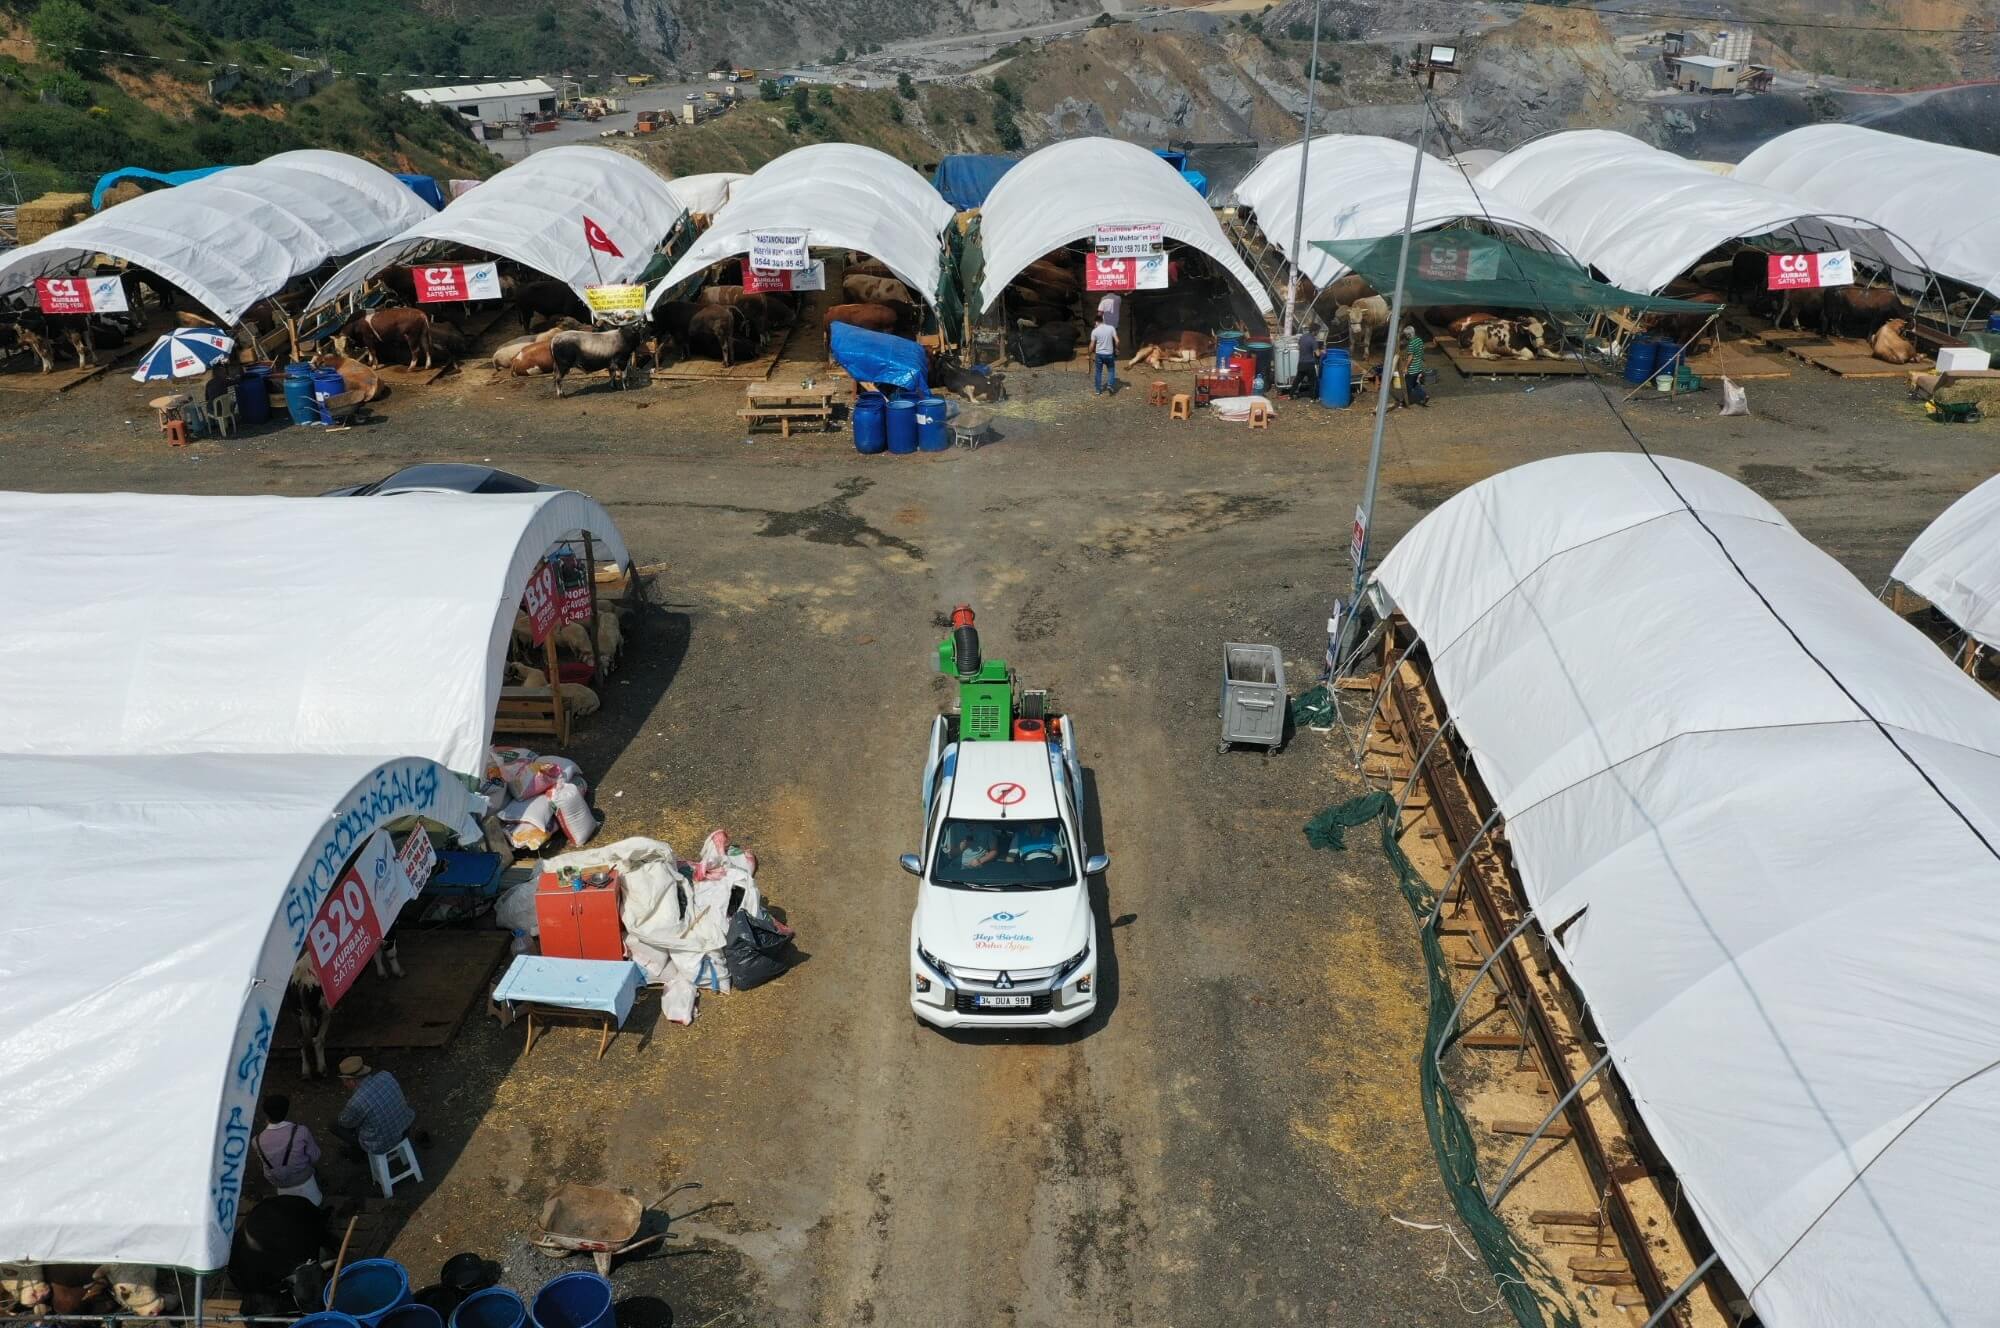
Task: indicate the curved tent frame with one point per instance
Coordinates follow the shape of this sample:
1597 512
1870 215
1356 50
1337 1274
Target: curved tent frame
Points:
154 974
338 625
234 237
1358 188
1955 563
1945 201
1065 191
1643 216
533 213
843 196
1765 870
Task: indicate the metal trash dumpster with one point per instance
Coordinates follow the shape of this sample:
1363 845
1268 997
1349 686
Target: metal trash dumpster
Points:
1253 696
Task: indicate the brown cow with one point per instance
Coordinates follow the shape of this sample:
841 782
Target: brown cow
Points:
721 326
381 335
873 317
1855 312
1348 289
1684 328
537 357
1891 342
867 267
875 290
719 295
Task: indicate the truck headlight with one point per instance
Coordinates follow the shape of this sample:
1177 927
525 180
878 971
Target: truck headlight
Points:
1071 964
940 965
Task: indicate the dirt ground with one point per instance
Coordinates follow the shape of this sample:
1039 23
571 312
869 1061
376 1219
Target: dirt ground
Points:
1230 1138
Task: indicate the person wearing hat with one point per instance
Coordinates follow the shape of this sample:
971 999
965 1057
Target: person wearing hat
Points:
377 1116
1409 380
288 1151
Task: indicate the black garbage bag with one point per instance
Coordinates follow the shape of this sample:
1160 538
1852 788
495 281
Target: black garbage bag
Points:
754 950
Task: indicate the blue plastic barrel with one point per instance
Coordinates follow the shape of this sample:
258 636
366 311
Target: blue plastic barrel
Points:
299 394
1641 355
1336 379
253 394
1225 346
574 1300
412 1315
1666 354
902 424
1993 322
369 1289
327 1319
932 433
327 383
495 1307
870 429
1260 351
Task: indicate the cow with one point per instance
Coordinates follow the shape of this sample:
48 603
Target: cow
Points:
723 327
729 294
547 299
866 267
669 322
1363 317
1054 275
1346 290
1855 311
875 290
1495 341
1749 279
381 335
1462 326
610 351
1173 348
872 316
1797 304
1686 328
1046 344
1891 342
42 334
315 1016
23 1287
275 1254
537 357
991 386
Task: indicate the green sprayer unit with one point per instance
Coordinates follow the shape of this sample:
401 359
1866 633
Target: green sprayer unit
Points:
985 687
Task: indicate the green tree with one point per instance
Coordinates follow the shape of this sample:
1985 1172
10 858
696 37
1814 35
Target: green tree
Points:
972 115
799 103
66 87
905 88
792 122
1004 128
59 27
840 55
824 97
896 111
767 89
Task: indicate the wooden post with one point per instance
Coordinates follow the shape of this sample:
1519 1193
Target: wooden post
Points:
555 689
590 570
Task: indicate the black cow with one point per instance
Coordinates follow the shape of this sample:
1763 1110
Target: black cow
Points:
548 299
275 1253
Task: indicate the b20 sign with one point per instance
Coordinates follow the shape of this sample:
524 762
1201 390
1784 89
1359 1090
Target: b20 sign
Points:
343 935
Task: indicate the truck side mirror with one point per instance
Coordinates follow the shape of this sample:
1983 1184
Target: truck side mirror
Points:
909 863
1097 864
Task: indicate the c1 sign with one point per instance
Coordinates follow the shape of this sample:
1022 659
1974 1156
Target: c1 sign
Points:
81 295
1125 274
456 283
1805 271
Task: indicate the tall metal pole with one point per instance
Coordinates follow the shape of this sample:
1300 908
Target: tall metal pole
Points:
1305 152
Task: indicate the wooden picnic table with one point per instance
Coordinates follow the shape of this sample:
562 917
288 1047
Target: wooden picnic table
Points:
785 403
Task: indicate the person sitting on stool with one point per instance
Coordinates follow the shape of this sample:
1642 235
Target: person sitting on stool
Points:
377 1116
288 1151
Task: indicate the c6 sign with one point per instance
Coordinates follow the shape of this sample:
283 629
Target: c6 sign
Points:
1805 271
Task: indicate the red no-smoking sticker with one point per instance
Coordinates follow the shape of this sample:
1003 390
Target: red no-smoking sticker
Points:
1006 794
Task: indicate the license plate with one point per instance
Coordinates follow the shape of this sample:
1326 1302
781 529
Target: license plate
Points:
1003 1002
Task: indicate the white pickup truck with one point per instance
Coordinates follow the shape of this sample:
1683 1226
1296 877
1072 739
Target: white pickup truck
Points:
1003 935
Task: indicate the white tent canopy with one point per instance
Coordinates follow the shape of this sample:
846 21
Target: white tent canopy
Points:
1955 563
1065 191
142 989
1942 203
533 212
843 196
1772 888
1642 216
232 238
1358 188
706 193
148 624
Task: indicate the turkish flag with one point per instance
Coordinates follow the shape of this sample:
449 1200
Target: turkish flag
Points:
594 236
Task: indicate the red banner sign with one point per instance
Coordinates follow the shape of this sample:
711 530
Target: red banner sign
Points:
778 280
572 588
1125 274
456 283
344 933
417 858
81 295
542 602
1805 271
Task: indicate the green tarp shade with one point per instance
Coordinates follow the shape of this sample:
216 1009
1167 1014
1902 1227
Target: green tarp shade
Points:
1456 266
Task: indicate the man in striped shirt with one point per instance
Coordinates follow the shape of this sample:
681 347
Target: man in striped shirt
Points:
1410 370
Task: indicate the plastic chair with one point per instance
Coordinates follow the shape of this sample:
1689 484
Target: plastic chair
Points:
1182 407
222 410
1158 397
403 1158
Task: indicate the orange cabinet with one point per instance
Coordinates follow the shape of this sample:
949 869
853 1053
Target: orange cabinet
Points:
580 922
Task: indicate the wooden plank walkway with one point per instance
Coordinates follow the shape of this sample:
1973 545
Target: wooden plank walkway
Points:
447 975
1848 357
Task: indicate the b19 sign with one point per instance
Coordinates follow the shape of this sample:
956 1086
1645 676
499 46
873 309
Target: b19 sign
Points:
81 295
1804 271
351 921
542 602
456 283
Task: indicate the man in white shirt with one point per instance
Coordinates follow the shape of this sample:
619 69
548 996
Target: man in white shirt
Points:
1103 358
1107 309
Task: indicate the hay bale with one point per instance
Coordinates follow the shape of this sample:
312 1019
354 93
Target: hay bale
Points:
42 217
123 192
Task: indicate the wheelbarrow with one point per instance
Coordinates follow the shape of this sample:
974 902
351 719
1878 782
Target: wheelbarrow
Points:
588 1219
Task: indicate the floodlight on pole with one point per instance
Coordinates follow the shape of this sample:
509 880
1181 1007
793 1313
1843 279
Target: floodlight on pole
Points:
1305 155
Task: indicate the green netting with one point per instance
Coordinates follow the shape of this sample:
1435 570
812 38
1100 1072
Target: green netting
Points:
1458 266
1313 708
1524 1281
950 304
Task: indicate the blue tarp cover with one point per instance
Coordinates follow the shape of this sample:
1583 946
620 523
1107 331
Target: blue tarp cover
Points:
966 179
877 357
424 187
106 182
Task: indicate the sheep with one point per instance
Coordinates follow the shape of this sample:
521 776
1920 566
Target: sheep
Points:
572 639
581 700
135 1288
520 675
25 1285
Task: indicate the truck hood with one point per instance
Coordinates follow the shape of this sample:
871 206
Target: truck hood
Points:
993 929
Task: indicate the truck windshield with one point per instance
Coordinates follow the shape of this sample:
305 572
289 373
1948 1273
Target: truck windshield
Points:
1002 855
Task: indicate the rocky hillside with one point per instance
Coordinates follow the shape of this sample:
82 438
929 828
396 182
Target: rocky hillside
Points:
1552 69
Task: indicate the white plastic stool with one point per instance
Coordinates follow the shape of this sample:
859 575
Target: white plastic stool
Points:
403 1158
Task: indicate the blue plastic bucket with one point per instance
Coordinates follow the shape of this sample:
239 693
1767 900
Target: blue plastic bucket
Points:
253 394
932 433
902 424
412 1315
871 430
369 1289
1641 357
574 1300
495 1307
299 394
328 1319
1336 379
1225 346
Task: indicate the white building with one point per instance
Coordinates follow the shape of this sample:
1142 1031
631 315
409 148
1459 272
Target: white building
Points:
493 102
1707 73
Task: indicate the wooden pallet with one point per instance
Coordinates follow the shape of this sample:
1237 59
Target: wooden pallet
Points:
447 976
1463 361
686 369
1847 357
1731 360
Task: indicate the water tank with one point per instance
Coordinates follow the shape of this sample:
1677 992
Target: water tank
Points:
902 420
1641 354
870 428
1284 360
933 435
299 394
1336 379
253 394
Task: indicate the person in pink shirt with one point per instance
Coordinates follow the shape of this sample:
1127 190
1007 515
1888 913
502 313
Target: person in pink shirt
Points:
288 1151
